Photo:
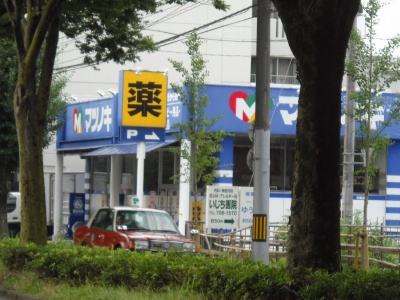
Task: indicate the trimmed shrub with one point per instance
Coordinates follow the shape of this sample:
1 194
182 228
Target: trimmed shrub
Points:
216 278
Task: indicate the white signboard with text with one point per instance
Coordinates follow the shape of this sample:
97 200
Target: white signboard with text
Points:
246 207
222 207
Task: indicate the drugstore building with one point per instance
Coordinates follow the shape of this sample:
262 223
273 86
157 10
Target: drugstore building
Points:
125 140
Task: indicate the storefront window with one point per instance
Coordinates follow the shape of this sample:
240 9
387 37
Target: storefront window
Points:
101 167
282 154
100 163
277 165
281 167
151 164
129 164
168 163
159 167
378 182
242 175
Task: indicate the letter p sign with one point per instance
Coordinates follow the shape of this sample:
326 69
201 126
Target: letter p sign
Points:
131 133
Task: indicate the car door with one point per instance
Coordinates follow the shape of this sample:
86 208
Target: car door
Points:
101 228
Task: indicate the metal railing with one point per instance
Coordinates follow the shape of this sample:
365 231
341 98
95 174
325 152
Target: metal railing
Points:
239 241
384 246
279 79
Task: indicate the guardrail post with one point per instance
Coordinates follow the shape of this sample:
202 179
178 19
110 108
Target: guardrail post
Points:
349 240
356 250
381 238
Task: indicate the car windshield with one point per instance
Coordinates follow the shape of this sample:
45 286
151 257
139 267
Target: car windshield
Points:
11 203
145 220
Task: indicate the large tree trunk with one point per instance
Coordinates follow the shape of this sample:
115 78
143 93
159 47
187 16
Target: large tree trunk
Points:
30 127
317 32
40 31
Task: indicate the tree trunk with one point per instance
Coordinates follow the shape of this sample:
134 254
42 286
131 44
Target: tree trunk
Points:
318 34
30 108
364 244
30 128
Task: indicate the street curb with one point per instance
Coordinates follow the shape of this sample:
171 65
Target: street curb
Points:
12 294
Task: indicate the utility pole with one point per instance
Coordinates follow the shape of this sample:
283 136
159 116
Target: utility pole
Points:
349 140
262 134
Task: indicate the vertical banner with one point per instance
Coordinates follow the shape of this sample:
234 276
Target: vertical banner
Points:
76 211
246 207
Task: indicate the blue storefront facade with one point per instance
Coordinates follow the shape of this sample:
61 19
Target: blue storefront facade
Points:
96 131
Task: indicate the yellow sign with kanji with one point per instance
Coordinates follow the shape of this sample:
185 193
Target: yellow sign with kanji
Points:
144 99
199 211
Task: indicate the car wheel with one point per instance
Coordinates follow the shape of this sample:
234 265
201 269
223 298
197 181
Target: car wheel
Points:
13 231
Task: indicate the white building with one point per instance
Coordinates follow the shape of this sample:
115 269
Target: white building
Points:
229 47
229 44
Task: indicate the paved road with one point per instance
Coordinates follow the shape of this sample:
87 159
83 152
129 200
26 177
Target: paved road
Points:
13 295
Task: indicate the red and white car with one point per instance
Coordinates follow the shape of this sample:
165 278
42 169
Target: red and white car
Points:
138 229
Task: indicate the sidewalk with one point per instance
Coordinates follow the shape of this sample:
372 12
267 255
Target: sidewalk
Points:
11 294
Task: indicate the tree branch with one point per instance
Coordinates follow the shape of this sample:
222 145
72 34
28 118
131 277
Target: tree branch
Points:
48 63
14 9
52 10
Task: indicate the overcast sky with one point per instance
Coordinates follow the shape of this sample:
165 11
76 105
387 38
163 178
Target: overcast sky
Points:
389 25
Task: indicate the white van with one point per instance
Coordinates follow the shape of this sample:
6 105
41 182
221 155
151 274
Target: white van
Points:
14 212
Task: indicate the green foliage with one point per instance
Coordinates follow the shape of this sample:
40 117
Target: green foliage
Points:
5 26
380 284
103 31
111 30
8 135
57 103
108 30
57 107
215 278
205 143
8 79
373 70
283 234
8 75
14 256
377 237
